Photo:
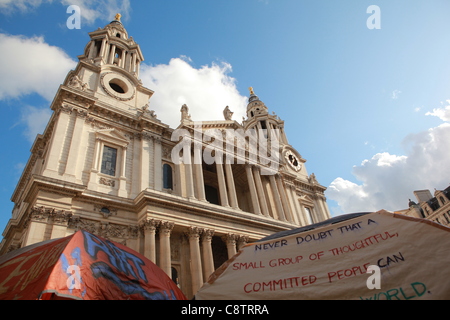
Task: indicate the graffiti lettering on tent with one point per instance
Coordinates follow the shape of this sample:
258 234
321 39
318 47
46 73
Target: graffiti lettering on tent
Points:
124 262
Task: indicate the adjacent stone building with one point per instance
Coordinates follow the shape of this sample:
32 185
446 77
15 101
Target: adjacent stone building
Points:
435 208
187 198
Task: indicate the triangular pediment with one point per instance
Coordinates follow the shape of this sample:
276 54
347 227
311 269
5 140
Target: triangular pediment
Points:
113 136
306 199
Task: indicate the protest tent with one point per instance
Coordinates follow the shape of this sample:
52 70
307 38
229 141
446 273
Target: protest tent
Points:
82 266
363 256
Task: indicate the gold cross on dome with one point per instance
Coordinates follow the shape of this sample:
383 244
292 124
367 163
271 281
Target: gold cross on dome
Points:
118 16
251 90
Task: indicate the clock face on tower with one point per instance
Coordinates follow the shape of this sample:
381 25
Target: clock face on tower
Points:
292 160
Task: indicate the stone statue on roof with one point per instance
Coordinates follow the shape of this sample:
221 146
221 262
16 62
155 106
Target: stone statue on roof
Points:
227 114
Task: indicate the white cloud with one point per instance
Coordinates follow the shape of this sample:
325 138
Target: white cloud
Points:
10 6
395 94
206 91
387 181
29 65
91 10
35 120
441 113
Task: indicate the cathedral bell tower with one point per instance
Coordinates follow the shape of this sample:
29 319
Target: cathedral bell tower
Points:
112 46
258 117
110 66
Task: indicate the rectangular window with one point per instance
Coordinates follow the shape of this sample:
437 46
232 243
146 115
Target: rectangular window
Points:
109 160
309 215
167 177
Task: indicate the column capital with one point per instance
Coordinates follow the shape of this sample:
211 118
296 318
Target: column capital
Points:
256 169
194 233
149 224
166 227
38 214
207 234
249 165
230 238
60 216
242 241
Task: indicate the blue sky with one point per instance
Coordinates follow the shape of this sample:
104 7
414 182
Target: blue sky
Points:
366 107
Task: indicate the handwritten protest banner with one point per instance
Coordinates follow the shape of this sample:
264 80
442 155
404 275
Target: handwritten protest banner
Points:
331 262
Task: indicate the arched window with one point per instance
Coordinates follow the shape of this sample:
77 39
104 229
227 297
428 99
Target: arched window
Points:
175 276
167 177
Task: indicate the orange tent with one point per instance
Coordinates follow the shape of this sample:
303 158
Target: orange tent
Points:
83 266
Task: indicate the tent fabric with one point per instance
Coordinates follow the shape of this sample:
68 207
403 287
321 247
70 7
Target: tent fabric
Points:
333 220
366 256
83 266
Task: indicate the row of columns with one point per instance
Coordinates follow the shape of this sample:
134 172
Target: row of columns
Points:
193 180
201 261
128 60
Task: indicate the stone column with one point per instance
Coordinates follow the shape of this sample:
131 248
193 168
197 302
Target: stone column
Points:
60 219
208 258
136 162
277 198
198 168
37 226
122 177
93 183
231 186
74 151
122 59
260 191
112 54
252 188
91 54
149 226
222 184
189 177
294 204
325 206
165 254
57 142
145 161
157 159
103 48
230 240
138 68
196 263
284 200
133 62
322 215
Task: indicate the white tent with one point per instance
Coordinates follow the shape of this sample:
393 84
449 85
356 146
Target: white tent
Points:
364 256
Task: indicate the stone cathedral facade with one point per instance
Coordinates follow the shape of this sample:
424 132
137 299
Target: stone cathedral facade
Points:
105 163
